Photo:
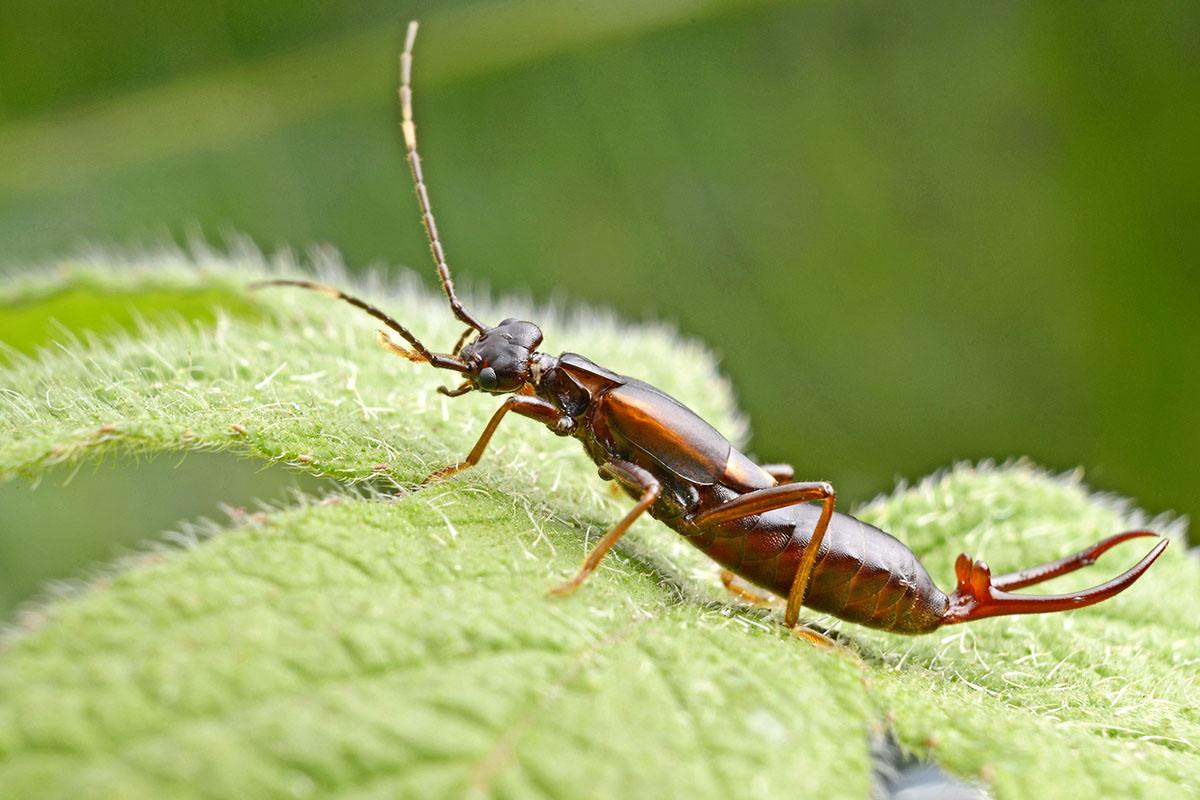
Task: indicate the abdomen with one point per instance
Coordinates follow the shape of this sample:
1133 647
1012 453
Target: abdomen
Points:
862 574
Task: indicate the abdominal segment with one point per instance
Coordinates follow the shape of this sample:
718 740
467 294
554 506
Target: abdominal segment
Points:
861 575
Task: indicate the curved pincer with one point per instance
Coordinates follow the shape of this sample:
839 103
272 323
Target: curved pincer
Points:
979 595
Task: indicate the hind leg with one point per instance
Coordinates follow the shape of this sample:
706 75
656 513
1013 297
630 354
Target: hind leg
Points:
781 496
730 582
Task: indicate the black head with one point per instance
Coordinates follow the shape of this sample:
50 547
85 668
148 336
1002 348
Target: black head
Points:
498 359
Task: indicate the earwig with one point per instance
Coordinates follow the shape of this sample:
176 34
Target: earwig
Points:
755 521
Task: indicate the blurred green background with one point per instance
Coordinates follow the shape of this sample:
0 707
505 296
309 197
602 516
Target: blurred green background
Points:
915 232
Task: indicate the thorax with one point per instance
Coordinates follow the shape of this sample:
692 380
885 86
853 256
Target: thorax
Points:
623 418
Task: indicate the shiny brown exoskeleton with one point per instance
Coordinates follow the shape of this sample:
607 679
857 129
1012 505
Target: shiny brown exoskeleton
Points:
753 520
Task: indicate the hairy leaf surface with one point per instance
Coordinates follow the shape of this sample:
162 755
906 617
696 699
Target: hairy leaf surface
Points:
387 641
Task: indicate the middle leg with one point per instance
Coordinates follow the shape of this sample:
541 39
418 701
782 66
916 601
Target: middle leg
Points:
632 475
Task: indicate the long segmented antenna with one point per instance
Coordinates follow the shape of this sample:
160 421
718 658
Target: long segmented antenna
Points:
414 164
422 352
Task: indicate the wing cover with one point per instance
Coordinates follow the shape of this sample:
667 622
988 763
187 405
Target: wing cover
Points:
667 431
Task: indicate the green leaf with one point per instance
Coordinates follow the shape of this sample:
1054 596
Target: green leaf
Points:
390 642
38 308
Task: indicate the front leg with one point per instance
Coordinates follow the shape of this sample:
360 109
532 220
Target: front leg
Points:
532 407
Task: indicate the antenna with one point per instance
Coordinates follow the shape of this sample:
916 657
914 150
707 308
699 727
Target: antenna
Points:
414 163
422 352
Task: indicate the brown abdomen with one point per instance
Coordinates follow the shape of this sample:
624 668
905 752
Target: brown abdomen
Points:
862 574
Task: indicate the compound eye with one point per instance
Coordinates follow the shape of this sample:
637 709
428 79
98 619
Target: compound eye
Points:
487 379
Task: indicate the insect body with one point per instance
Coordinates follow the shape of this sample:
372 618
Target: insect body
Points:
755 521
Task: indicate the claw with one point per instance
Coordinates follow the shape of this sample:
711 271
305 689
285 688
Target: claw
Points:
979 595
565 588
